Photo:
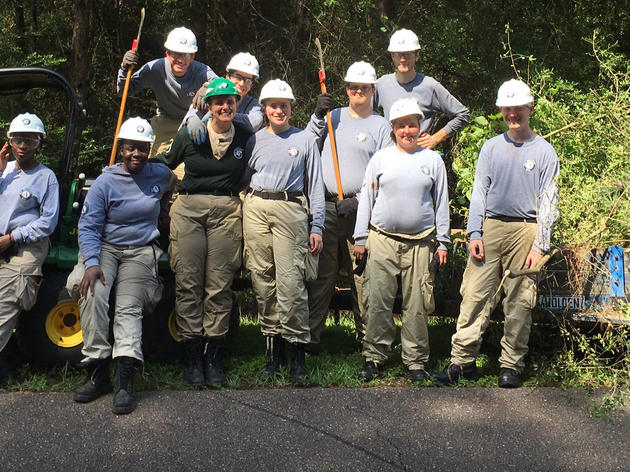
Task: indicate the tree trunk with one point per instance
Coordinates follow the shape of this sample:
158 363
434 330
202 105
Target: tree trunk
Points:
81 47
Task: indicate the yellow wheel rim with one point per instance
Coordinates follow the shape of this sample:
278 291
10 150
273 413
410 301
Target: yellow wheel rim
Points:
172 328
63 325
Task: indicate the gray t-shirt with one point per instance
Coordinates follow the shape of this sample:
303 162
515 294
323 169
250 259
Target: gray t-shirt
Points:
516 180
173 94
404 194
431 95
357 139
288 162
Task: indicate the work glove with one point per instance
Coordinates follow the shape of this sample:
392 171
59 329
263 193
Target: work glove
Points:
199 100
129 59
347 207
196 129
324 103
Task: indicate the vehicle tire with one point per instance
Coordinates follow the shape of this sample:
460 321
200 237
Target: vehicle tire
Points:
50 333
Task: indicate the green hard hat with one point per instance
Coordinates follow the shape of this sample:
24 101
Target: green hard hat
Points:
221 86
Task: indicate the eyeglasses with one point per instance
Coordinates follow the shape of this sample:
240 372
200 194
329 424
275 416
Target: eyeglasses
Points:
24 141
406 55
363 88
138 146
178 55
245 80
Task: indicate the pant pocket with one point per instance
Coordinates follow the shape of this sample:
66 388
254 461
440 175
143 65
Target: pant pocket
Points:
427 292
311 266
27 289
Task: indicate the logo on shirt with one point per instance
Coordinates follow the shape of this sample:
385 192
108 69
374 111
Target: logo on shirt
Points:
25 194
293 152
424 170
361 137
238 153
85 208
155 189
529 165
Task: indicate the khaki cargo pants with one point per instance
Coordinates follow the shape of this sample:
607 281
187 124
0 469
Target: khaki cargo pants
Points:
506 246
276 247
20 279
387 258
131 271
337 254
205 252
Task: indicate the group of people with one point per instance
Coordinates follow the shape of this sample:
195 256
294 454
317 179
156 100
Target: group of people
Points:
295 207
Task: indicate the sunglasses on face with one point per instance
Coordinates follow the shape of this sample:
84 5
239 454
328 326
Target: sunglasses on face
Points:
363 88
24 141
245 80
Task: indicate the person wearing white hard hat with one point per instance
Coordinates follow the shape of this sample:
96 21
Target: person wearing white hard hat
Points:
206 233
118 250
431 95
513 209
242 70
359 133
281 244
29 198
402 226
174 80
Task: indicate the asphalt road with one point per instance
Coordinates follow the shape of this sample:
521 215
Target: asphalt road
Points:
467 429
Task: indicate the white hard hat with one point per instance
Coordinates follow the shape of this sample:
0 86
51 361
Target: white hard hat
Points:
276 88
403 40
181 40
136 129
405 107
26 123
513 93
361 72
244 62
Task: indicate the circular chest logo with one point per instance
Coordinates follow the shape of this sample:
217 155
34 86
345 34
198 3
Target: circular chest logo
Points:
25 194
155 189
361 137
238 153
424 170
85 208
293 152
529 165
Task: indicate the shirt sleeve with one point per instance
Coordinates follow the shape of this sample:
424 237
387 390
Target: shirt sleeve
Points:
91 225
369 191
318 129
252 117
479 198
139 80
547 205
315 182
458 114
440 203
43 226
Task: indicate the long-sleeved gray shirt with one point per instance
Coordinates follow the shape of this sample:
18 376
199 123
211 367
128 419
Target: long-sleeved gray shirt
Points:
249 114
288 162
357 139
404 194
516 180
173 94
431 95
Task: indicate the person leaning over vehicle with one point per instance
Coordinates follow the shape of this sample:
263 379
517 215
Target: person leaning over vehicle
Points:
359 133
206 233
431 95
29 198
242 70
174 80
513 209
403 214
118 231
284 162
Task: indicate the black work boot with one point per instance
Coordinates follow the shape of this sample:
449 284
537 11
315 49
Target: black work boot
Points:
5 369
453 372
275 356
371 370
193 362
417 375
297 363
123 385
509 378
212 369
97 383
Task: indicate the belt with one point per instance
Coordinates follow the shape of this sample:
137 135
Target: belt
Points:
513 219
400 239
216 192
286 196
